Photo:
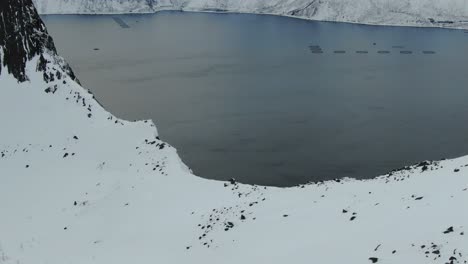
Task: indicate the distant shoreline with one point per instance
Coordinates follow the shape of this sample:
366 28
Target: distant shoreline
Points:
454 25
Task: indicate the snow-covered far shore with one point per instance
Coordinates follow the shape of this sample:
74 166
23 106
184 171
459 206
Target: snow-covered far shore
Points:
78 185
420 13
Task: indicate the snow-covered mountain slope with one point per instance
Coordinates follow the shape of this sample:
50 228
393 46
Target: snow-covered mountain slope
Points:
431 13
78 185
93 6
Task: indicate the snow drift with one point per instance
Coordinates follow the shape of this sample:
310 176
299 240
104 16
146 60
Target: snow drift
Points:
78 185
430 13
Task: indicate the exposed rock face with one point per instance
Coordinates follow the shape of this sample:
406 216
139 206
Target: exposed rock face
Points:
23 36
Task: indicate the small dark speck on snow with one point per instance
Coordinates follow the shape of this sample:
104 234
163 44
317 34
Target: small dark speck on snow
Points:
377 248
449 230
373 259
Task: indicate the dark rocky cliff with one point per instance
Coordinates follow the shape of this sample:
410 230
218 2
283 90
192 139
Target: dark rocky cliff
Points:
23 36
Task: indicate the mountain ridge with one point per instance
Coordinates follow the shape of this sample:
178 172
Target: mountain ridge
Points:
424 13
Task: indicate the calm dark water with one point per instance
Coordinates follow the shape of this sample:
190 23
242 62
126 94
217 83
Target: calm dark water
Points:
244 96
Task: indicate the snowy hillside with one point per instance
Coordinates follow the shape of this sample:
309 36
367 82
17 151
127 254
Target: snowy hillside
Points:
78 185
88 6
432 13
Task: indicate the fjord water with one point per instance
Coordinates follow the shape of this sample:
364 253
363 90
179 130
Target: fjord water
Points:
245 97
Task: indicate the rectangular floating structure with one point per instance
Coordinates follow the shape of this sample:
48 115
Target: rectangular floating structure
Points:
339 52
315 49
362 52
428 52
383 52
120 22
406 52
